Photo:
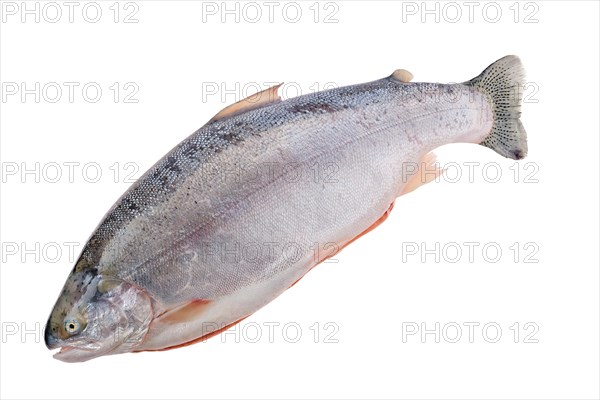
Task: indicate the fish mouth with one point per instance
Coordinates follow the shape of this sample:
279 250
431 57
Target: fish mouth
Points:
68 352
75 350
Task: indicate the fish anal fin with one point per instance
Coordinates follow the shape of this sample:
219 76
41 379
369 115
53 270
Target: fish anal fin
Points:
184 313
427 170
252 102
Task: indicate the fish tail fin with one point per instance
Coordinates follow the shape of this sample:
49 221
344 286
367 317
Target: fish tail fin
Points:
502 81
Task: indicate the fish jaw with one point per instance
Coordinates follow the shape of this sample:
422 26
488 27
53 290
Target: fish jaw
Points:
73 354
76 349
79 354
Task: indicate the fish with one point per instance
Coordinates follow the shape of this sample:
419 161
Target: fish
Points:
243 208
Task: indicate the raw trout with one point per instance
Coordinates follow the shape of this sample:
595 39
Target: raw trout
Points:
243 208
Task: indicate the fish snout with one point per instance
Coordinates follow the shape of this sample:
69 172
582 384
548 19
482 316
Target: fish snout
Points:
52 342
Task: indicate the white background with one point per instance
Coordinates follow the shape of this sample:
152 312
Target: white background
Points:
376 290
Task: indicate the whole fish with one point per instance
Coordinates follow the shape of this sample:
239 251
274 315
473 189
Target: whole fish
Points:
244 207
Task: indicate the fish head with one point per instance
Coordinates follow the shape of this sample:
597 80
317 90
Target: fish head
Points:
97 315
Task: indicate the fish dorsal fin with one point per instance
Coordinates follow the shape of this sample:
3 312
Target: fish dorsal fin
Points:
402 75
257 100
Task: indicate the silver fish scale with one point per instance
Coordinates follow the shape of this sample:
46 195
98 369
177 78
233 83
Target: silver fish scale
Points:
170 231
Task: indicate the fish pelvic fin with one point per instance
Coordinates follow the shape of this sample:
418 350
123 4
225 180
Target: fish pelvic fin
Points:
501 82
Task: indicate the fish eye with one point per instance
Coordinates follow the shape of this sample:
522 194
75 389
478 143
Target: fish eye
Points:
72 326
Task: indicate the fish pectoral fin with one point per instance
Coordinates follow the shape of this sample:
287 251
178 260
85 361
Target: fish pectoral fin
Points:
427 170
257 100
184 313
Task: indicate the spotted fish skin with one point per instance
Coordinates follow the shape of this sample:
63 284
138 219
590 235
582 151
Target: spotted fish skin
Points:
246 205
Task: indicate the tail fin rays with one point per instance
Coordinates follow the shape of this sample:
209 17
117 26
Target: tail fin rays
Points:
502 82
